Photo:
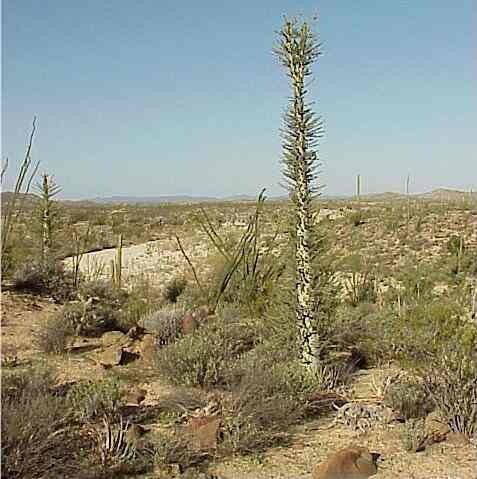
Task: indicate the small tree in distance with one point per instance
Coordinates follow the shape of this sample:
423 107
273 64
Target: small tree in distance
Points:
297 50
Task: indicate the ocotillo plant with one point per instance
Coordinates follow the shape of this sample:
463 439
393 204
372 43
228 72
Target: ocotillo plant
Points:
13 208
297 50
47 213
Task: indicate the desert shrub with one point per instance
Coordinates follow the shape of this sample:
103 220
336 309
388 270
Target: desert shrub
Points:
175 448
54 336
119 456
414 437
451 382
98 310
141 300
456 245
44 278
174 289
409 398
260 411
409 332
104 291
37 437
90 400
166 324
201 359
359 330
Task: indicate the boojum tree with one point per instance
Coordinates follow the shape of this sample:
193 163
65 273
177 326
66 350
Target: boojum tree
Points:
297 50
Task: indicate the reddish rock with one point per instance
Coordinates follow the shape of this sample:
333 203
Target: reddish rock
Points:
204 431
352 462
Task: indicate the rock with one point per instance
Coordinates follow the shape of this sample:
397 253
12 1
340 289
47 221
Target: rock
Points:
352 462
325 401
434 425
136 332
110 357
135 396
112 337
82 345
204 431
147 347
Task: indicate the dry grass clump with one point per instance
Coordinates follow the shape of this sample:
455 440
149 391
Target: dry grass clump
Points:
165 323
44 278
55 335
97 310
259 412
451 383
38 439
44 433
408 398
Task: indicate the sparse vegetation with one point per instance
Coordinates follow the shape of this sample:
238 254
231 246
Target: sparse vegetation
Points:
234 326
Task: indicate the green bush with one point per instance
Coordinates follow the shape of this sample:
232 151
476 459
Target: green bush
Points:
91 400
202 359
456 245
410 399
174 289
414 436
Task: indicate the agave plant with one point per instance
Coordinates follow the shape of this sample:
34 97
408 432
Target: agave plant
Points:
114 448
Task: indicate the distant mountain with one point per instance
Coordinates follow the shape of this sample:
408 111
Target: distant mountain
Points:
27 198
386 196
448 194
153 199
439 194
172 199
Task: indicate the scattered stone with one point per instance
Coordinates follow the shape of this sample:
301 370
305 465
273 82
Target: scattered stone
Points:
204 431
146 347
352 462
82 345
435 425
112 337
136 332
135 396
325 401
109 358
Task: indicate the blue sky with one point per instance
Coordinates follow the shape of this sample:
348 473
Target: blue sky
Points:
159 97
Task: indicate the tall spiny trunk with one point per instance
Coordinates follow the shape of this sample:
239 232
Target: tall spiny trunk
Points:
297 50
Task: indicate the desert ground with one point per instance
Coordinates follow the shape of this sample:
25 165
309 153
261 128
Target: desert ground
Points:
387 256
